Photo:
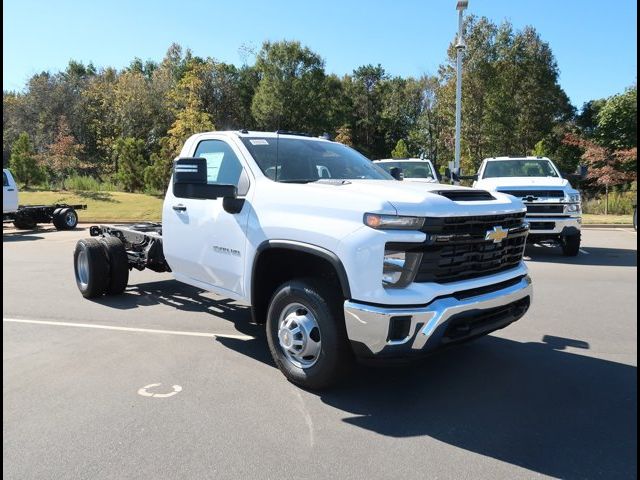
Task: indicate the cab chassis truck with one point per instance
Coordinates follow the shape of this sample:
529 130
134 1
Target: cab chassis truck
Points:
339 260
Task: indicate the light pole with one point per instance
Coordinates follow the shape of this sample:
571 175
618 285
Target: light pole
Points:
460 46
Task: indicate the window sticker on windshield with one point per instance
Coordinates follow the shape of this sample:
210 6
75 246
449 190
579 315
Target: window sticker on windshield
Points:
258 141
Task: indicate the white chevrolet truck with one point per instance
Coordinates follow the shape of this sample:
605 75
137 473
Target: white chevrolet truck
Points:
349 264
26 217
419 170
554 211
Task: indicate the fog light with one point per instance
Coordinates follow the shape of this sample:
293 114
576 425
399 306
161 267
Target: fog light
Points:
399 268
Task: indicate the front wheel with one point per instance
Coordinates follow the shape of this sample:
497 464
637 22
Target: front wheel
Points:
306 334
570 245
635 218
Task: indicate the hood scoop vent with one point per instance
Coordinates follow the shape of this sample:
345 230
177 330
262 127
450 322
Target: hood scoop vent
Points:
465 195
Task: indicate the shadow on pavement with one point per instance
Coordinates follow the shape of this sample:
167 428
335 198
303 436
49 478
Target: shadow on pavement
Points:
10 234
191 299
597 256
527 404
534 405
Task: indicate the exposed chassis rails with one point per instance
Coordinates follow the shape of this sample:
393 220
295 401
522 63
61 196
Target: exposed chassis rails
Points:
142 242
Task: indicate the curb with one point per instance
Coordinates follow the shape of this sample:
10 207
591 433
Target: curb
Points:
607 225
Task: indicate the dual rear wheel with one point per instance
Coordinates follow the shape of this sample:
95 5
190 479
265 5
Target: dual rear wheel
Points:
65 218
100 267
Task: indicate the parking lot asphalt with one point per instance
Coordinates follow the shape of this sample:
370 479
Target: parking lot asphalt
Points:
553 395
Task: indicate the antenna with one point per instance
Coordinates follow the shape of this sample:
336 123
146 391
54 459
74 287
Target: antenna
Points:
277 146
277 152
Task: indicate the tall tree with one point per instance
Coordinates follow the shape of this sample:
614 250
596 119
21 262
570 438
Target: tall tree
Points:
400 150
130 158
617 121
290 90
23 162
62 156
190 119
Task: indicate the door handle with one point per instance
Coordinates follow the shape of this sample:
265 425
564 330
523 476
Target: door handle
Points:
180 208
9 189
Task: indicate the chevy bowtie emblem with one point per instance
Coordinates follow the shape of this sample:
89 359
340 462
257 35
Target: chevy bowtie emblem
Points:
497 234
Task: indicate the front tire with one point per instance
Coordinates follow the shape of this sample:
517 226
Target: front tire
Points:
91 268
306 334
635 218
570 245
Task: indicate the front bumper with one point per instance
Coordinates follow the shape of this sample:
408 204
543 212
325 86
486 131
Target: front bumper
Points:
552 225
464 315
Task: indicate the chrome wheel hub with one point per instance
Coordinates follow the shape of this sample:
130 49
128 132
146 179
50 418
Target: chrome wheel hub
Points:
70 219
82 271
299 335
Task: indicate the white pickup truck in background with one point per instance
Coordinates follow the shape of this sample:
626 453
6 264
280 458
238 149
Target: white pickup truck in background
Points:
335 256
554 209
26 217
411 169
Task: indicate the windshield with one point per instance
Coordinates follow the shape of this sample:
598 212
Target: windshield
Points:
298 160
519 168
410 169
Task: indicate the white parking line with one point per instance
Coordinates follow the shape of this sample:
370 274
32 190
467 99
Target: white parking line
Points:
127 329
584 251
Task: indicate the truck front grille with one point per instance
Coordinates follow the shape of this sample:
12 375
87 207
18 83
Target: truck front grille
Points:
456 248
542 208
534 193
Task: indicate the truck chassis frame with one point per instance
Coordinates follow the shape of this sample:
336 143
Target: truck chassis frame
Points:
28 216
142 243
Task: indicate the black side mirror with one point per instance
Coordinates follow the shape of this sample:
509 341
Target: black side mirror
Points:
451 175
468 177
579 174
396 172
582 171
190 181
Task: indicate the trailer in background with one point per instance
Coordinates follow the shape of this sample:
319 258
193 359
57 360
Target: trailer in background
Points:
25 217
62 215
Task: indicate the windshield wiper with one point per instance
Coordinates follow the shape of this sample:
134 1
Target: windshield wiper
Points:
298 180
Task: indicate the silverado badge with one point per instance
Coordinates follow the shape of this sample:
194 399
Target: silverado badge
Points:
497 234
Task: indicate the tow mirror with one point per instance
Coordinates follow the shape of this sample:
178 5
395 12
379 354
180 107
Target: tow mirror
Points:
579 174
190 181
582 171
396 172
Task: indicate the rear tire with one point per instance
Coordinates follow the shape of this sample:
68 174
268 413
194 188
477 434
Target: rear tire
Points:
635 218
67 219
56 220
24 222
91 267
570 245
307 312
118 265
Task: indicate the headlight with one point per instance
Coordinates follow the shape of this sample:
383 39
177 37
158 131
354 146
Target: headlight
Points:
572 208
399 268
392 222
572 197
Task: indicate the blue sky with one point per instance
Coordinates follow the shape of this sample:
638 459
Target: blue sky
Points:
594 41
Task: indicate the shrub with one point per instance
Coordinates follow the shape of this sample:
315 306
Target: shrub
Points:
620 203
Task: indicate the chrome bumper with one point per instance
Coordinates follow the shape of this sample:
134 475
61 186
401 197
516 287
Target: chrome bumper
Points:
368 327
560 224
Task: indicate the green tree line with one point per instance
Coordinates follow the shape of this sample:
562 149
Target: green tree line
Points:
127 125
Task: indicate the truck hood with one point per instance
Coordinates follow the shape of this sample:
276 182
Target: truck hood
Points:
406 198
523 182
